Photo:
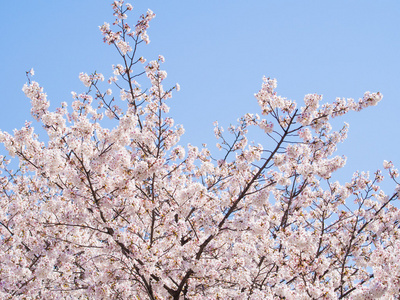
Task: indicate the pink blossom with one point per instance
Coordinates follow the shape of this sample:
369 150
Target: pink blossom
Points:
86 80
123 47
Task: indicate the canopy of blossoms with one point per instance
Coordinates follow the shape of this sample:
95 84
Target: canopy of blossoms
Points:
95 212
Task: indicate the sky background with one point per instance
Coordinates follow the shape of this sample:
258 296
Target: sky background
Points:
218 51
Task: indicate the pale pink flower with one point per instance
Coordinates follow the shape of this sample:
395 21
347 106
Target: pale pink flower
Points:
123 47
387 165
85 79
129 6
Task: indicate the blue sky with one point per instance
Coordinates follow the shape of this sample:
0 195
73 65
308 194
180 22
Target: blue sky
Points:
218 51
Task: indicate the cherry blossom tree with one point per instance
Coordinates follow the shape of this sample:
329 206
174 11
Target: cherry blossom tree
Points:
128 213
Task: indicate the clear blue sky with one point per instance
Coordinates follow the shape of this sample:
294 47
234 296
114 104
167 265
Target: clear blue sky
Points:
218 51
